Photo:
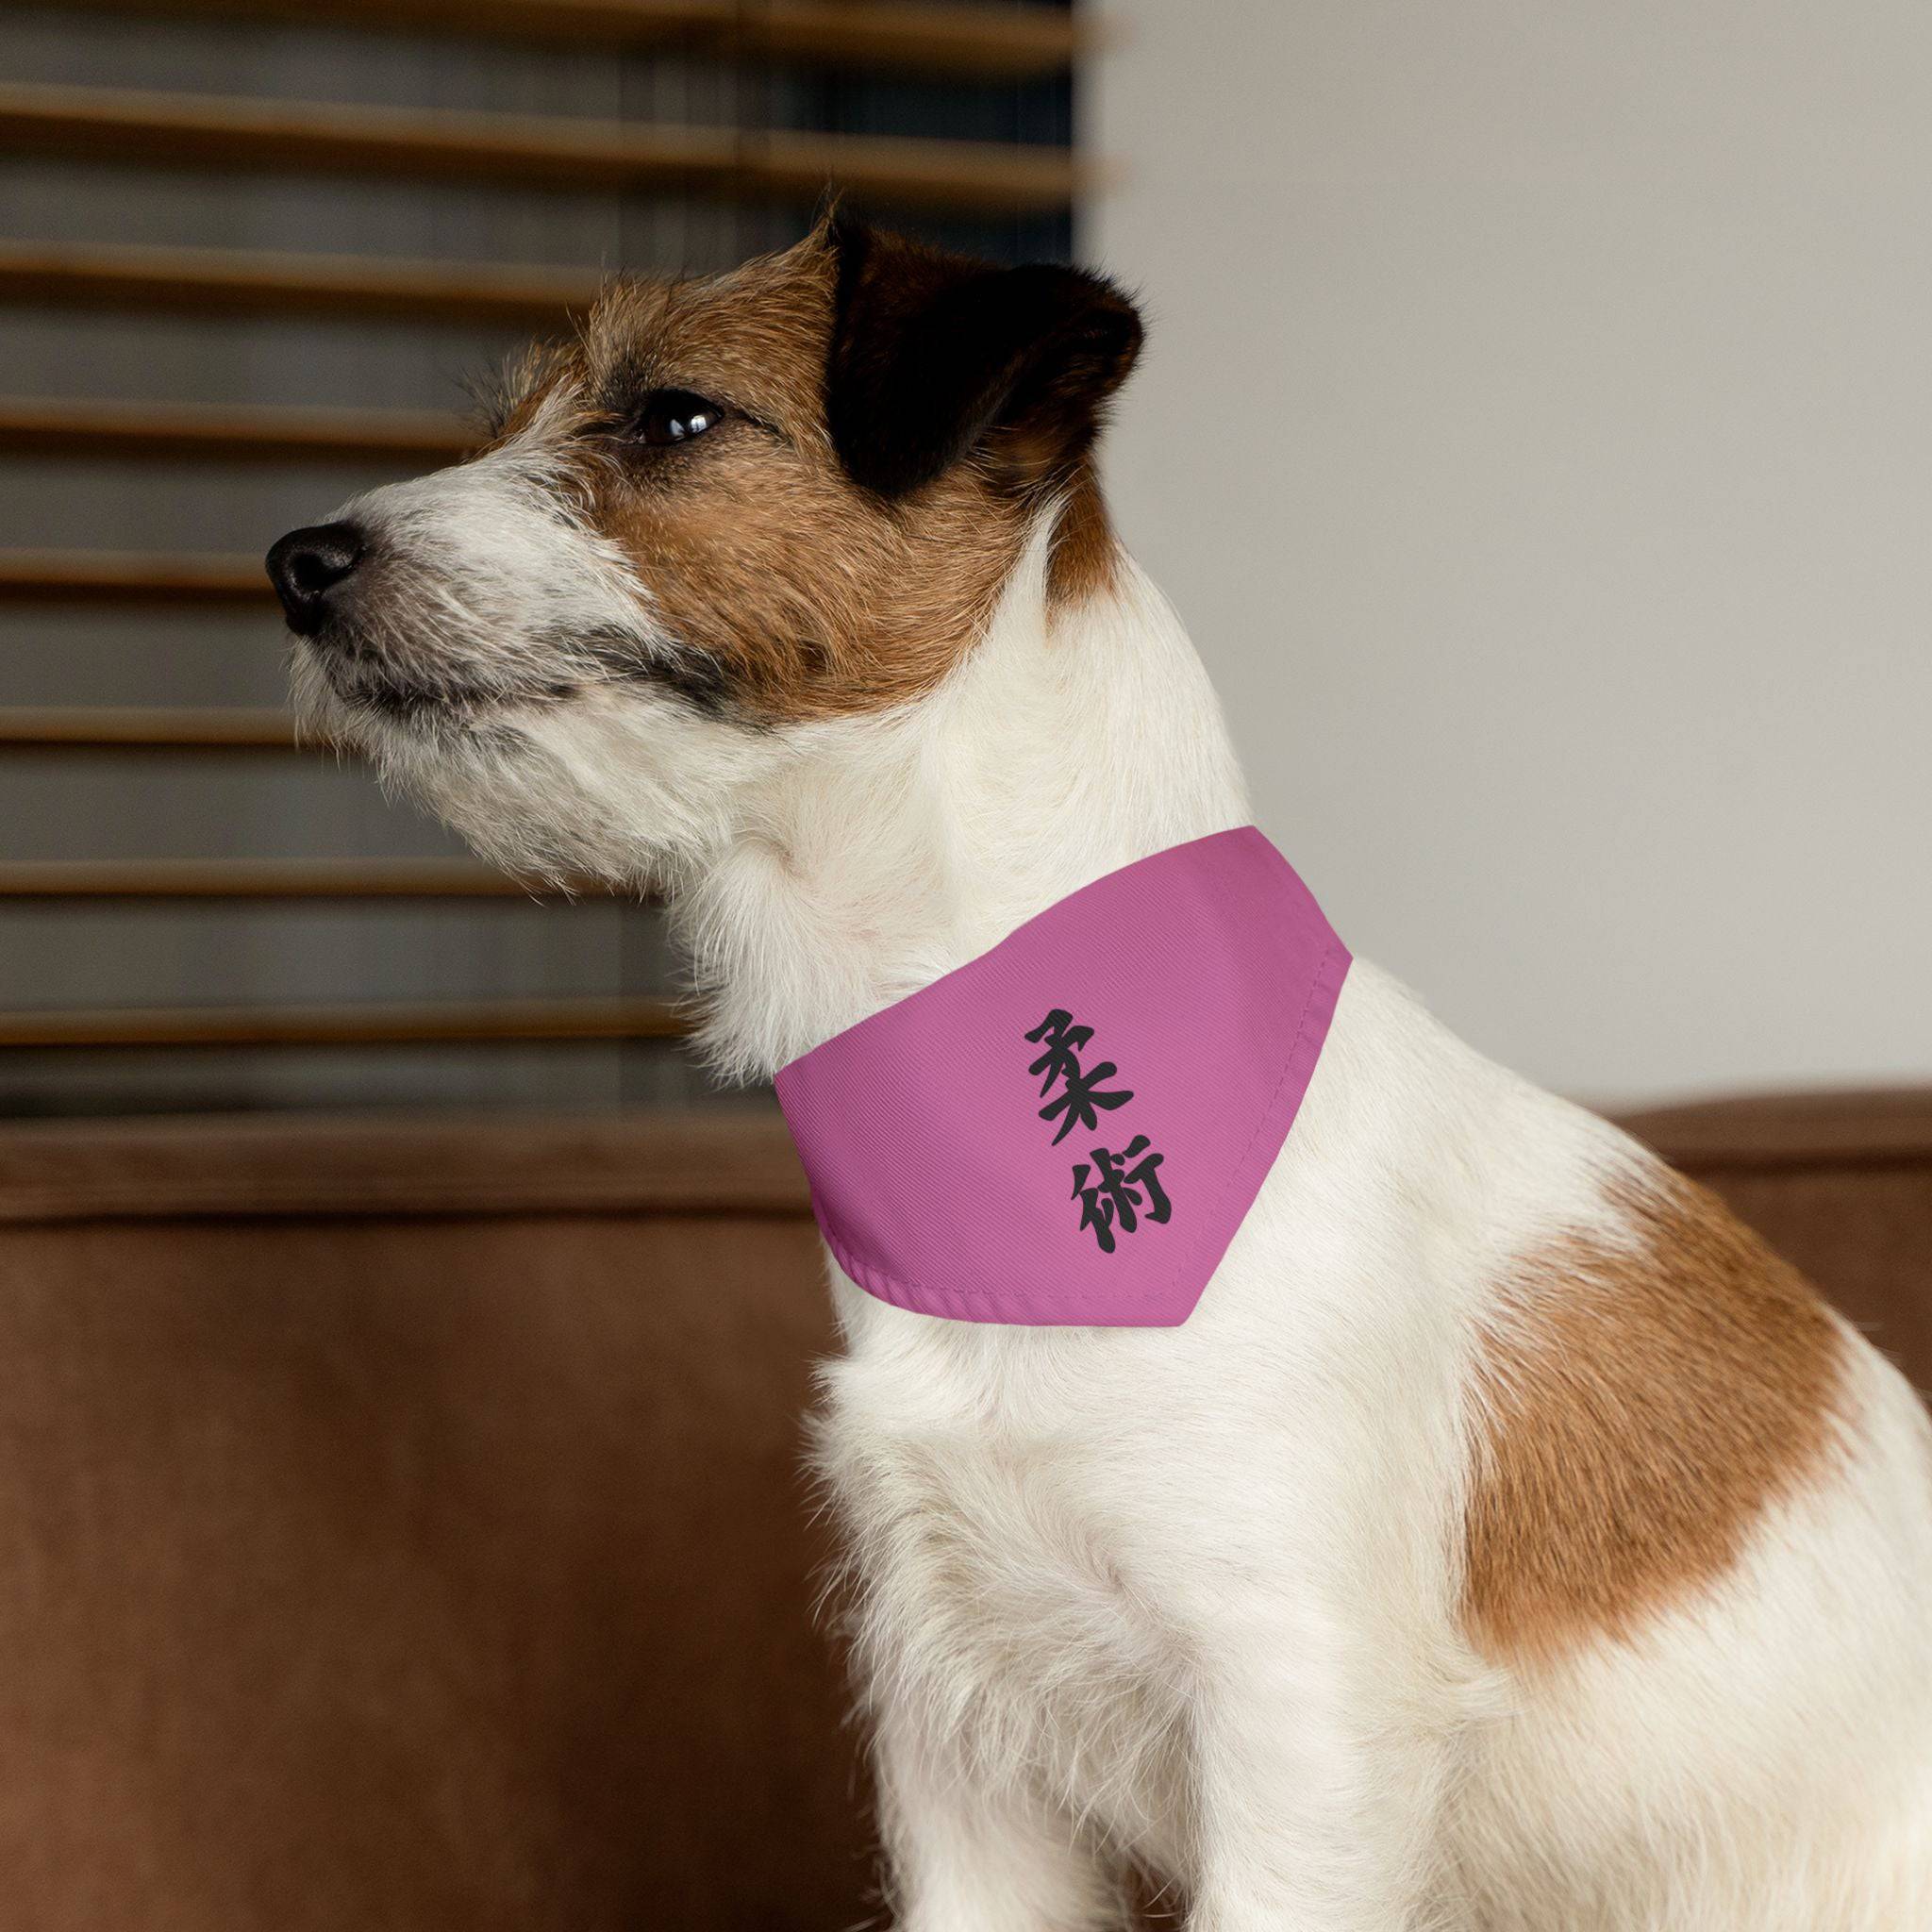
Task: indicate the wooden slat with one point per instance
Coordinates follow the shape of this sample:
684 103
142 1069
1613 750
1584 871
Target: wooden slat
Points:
402 1163
257 879
101 727
161 432
214 282
1011 43
567 154
370 1024
117 577
1006 41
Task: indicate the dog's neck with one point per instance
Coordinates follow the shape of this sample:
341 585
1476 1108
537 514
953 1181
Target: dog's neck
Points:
1073 741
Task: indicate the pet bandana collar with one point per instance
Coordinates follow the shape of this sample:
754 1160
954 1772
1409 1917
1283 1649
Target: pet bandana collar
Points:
1070 1128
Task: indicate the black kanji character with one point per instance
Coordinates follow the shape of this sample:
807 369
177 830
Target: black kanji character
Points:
1064 1042
1096 1207
1115 1199
1082 1098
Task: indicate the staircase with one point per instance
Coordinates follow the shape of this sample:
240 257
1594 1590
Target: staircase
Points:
249 251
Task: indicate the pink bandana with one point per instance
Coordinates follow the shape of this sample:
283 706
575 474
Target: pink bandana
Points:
1070 1128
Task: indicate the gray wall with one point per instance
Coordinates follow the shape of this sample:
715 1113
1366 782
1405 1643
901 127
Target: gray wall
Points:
1537 433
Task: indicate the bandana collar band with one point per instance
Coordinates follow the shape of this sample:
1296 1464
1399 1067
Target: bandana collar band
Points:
1069 1129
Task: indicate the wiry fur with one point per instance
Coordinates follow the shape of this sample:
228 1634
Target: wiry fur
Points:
1194 1599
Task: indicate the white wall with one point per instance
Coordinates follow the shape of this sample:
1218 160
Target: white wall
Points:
1536 430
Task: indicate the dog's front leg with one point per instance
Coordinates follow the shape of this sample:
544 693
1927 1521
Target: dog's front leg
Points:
962 1855
1317 1790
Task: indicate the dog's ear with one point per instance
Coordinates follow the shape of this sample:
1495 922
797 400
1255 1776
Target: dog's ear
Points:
934 356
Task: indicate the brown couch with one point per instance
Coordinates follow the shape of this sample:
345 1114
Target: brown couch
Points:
403 1523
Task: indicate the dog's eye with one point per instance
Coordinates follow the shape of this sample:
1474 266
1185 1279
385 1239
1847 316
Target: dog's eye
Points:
674 415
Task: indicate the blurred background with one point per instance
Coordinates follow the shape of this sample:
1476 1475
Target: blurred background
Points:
1535 432
1532 431
252 257
402 1347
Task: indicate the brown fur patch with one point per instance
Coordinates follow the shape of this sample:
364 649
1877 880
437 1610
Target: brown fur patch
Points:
1642 1405
796 592
1086 553
810 595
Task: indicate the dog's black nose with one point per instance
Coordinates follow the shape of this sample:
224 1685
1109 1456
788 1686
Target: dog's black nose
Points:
306 566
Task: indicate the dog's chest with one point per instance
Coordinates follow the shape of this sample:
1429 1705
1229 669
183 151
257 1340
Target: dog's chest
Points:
995 1579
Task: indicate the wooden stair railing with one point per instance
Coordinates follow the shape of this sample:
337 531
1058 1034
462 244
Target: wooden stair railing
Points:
176 728
557 153
123 577
560 153
293 880
176 432
219 281
1007 43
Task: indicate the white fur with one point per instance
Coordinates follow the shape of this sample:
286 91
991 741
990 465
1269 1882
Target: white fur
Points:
1186 1598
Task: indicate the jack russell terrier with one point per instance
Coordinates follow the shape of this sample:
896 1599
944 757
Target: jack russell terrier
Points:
1448 1519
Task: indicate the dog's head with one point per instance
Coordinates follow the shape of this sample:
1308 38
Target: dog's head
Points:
732 511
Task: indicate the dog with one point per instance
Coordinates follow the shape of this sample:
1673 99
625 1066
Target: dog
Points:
1508 1542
